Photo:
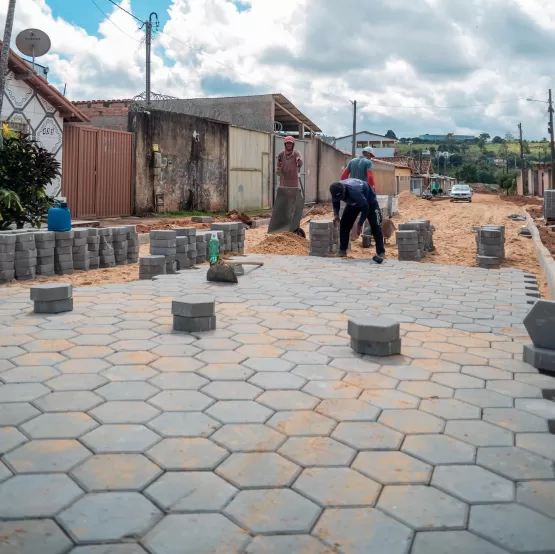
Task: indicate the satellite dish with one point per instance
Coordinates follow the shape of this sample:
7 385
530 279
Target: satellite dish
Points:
33 42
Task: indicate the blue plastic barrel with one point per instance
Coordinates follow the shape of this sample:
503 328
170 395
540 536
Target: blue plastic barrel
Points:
59 217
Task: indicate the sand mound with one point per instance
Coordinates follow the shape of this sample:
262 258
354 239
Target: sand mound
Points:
407 200
286 244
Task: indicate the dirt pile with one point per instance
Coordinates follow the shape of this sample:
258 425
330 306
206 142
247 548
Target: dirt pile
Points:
320 209
285 244
166 225
522 200
407 201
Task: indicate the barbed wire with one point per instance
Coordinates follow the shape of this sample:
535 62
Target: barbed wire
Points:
200 108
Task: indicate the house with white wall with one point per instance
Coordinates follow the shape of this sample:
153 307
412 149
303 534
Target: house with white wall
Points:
384 147
34 107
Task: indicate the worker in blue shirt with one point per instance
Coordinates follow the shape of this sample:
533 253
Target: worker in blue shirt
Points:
361 200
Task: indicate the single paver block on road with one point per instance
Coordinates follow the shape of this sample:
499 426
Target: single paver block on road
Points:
54 306
373 329
540 324
51 292
200 305
540 358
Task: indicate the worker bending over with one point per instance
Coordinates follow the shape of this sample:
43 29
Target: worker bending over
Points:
360 199
361 168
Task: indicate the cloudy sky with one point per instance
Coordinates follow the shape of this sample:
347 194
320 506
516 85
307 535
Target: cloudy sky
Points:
414 66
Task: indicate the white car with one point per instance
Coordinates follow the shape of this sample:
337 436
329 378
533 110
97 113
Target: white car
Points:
461 193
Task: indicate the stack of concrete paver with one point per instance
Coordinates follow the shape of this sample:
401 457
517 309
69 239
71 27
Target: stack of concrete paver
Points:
80 249
549 204
201 219
133 245
63 252
490 240
119 242
540 324
45 242
25 257
408 246
151 266
226 228
164 243
7 257
324 238
185 243
52 299
241 233
194 313
375 336
203 238
93 246
414 248
106 249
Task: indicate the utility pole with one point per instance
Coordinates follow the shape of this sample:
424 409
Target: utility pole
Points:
552 136
354 147
522 162
152 20
6 49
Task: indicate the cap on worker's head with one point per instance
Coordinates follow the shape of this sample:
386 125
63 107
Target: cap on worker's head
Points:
289 139
336 190
368 150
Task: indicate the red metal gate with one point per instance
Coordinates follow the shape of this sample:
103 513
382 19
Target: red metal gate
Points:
97 170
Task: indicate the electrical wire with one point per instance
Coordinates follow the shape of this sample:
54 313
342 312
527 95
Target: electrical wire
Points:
128 13
108 18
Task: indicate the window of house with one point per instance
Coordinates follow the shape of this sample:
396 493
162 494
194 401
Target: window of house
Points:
362 143
17 127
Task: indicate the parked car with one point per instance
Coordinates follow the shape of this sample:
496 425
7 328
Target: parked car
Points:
462 193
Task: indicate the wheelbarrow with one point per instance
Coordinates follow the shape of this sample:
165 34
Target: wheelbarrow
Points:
287 212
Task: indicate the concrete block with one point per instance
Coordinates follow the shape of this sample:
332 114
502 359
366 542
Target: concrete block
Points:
54 306
152 261
7 257
45 248
64 235
24 264
381 349
82 265
63 250
81 257
8 239
185 231
192 254
45 236
64 243
51 292
201 219
163 235
194 324
105 232
63 265
80 241
7 266
63 257
198 305
166 243
24 237
488 261
540 358
7 248
375 329
540 324
407 248
7 275
25 246
45 260
415 256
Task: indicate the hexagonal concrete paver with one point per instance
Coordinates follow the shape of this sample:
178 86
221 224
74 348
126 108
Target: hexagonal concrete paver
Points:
539 407
32 374
539 443
411 421
177 365
124 412
405 373
439 449
32 536
109 516
301 423
370 381
184 424
363 530
368 436
123 548
484 398
131 358
318 372
348 410
515 420
47 456
537 495
40 358
223 356
10 438
332 389
273 511
479 433
392 468
293 544
22 392
515 463
5 473
473 484
181 401
239 411
257 470
514 527
458 381
514 389
86 352
251 437
423 508
87 382
204 532
69 401
226 372
425 389
178 381
134 390
452 542
450 408
269 364
277 381
116 472
187 454
390 399
90 365
69 425
34 496
287 400
225 390
120 438
317 452
17 413
337 487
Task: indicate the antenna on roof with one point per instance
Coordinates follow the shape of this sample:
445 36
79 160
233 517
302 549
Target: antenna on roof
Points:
33 42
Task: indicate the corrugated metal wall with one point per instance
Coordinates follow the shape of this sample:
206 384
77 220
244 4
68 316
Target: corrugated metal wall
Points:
249 171
97 170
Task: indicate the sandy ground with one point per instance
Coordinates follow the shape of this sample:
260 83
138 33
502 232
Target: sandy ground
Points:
454 240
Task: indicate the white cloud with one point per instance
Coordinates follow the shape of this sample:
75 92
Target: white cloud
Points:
403 62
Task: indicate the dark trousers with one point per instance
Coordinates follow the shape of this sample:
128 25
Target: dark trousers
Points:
350 215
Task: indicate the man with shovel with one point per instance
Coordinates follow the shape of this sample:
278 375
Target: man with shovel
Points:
360 199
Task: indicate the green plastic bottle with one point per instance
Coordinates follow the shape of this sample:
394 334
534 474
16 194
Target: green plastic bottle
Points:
214 249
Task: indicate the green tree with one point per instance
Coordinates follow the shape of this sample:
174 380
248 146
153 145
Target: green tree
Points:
484 136
25 171
467 173
391 134
481 144
509 137
507 182
497 140
456 160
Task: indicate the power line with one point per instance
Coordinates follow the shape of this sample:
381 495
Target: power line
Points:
108 18
128 13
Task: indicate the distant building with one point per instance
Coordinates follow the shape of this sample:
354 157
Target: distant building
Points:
442 138
384 147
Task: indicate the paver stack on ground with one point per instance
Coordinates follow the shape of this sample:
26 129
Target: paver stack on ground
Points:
490 241
408 246
133 245
194 314
25 257
324 238
425 239
540 324
45 242
119 242
80 249
7 257
549 205
375 336
234 236
63 252
106 249
93 246
151 266
52 298
203 237
164 243
185 242
225 227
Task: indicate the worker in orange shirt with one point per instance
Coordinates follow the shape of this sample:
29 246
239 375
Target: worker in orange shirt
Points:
361 168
